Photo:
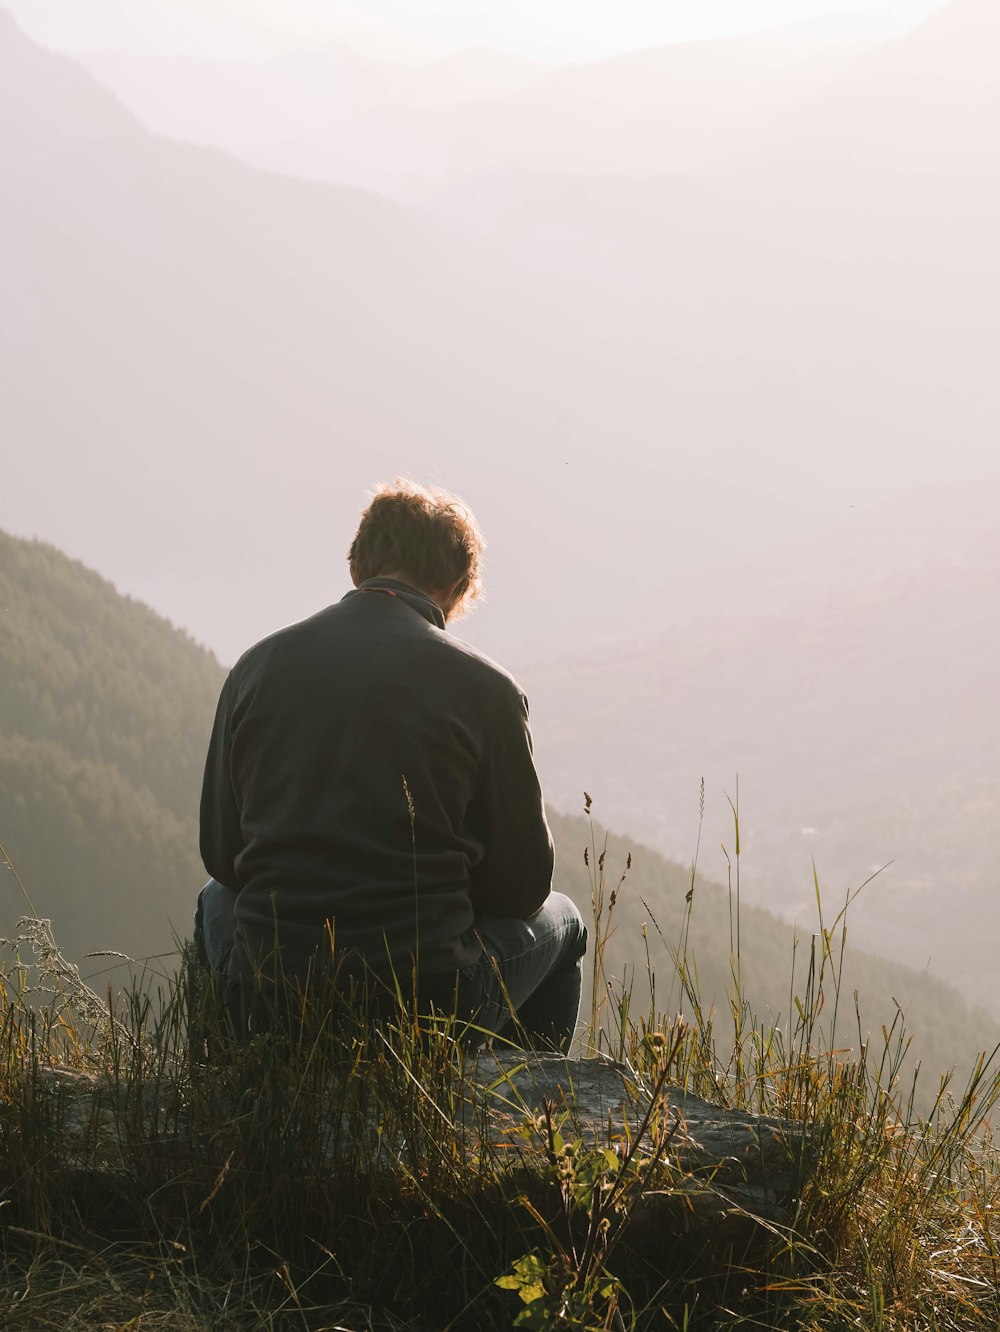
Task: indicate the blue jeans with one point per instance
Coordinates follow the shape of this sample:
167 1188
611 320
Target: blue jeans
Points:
525 986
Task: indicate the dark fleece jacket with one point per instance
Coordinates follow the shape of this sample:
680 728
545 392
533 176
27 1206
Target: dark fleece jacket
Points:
370 780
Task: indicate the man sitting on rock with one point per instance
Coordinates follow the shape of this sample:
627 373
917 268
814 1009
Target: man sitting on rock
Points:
371 809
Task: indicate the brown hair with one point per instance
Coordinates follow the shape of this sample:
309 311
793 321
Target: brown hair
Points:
425 535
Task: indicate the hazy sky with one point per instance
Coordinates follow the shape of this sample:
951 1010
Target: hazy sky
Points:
543 29
561 28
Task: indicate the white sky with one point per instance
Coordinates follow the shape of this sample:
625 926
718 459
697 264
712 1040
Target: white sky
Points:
556 30
590 28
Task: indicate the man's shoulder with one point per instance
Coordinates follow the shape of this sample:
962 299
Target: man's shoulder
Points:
289 638
441 653
477 666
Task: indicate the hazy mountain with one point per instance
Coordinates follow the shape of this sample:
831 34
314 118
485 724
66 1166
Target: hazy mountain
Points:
221 361
207 354
105 711
925 100
897 158
864 729
246 107
788 98
407 130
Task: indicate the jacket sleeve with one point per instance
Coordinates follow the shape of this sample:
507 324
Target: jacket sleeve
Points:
507 815
221 834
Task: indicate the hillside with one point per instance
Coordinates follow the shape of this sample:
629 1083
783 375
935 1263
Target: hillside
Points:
774 957
104 713
862 725
104 707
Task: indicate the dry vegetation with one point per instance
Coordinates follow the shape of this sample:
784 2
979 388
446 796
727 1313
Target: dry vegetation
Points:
155 1175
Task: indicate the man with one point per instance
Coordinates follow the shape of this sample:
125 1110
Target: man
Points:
370 805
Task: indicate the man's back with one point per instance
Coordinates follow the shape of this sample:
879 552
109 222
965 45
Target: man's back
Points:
370 771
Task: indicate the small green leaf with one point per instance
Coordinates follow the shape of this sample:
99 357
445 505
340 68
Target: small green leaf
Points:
534 1290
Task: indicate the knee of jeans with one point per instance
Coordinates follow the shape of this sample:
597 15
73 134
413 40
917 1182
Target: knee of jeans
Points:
576 933
582 939
576 936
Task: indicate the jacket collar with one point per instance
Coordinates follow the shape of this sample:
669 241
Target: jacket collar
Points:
413 597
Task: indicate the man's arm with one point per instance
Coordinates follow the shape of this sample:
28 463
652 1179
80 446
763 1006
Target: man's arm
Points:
508 815
221 835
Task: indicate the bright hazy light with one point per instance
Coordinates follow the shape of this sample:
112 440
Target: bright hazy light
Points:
548 30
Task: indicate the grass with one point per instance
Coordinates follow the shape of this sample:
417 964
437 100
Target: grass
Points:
340 1176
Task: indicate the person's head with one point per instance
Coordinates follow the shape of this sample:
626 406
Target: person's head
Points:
424 537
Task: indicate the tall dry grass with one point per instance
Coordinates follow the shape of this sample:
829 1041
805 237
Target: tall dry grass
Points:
334 1173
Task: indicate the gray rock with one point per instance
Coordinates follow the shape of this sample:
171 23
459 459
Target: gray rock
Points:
729 1166
726 1169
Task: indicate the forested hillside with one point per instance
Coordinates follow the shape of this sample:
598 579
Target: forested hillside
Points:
105 710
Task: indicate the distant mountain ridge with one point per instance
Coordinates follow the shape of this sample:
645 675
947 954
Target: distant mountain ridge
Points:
409 130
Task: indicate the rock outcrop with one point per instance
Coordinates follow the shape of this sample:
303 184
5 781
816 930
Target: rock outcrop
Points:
732 1169
728 1170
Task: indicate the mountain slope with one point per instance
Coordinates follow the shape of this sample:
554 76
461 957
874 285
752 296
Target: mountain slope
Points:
103 710
773 959
863 726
